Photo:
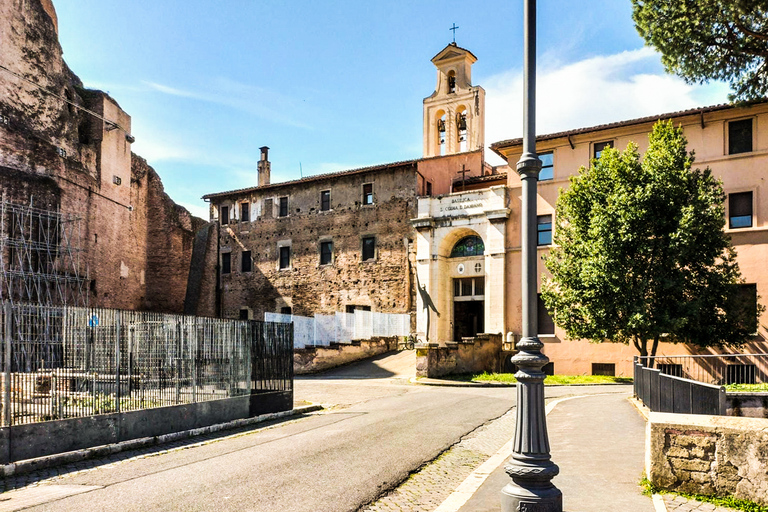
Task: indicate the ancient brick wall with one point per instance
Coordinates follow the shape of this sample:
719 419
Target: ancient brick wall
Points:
136 243
383 283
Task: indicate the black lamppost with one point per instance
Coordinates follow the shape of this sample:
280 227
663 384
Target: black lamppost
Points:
530 467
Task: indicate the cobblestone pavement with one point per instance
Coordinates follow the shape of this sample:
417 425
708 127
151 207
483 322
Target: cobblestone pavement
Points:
680 504
427 488
50 475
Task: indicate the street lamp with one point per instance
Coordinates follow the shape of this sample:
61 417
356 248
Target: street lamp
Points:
530 467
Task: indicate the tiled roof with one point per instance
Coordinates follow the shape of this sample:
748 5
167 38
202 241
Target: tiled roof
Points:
318 177
670 115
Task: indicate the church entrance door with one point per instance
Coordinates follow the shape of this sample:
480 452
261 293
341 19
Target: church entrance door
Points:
468 307
467 318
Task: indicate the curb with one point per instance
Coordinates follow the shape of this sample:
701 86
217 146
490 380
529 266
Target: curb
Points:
426 381
59 459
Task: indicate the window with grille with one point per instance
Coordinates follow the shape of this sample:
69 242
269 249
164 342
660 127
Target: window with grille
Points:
604 369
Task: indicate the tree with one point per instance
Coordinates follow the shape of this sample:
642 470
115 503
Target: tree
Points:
703 40
641 254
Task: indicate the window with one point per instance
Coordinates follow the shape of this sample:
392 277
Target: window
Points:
740 210
468 288
285 256
226 263
325 200
268 208
369 248
740 374
283 207
429 188
351 308
244 213
286 310
544 229
546 324
244 314
604 369
368 193
547 166
224 215
468 246
746 306
245 261
740 136
675 370
326 253
600 146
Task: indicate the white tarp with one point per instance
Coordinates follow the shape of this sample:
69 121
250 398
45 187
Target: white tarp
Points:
321 330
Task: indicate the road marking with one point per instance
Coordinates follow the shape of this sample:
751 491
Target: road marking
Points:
658 503
31 496
469 487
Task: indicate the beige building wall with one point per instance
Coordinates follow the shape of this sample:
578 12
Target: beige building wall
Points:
442 222
707 132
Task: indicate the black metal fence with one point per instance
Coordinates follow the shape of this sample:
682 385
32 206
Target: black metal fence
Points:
719 369
661 392
66 362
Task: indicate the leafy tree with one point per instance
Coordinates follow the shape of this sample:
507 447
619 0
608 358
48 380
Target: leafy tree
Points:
702 40
641 253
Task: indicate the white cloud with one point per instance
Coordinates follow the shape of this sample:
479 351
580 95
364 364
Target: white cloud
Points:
257 101
598 90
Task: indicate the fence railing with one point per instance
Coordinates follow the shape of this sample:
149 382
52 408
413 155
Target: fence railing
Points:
719 369
66 362
322 330
661 392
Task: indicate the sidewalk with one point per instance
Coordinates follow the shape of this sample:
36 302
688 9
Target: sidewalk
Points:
599 443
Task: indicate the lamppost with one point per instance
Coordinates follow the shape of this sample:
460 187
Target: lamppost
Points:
530 467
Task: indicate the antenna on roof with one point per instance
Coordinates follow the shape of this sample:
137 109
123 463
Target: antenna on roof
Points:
301 172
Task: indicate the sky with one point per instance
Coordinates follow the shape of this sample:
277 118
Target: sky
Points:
330 86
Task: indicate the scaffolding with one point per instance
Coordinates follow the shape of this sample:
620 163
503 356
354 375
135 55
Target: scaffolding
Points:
40 257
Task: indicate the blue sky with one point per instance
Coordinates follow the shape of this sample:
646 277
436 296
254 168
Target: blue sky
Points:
336 85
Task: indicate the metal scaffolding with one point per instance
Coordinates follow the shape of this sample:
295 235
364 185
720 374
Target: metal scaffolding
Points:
40 257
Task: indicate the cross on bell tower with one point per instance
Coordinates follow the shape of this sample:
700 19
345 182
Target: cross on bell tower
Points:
454 27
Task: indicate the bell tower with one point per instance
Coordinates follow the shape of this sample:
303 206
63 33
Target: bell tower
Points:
454 115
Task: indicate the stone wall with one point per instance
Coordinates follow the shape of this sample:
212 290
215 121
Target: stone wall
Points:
318 359
382 283
479 354
748 405
135 242
711 455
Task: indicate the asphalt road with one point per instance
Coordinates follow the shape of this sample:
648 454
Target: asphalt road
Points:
373 434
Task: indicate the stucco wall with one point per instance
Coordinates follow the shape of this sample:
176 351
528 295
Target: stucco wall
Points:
711 455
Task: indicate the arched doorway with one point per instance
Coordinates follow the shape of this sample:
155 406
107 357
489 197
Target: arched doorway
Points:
467 256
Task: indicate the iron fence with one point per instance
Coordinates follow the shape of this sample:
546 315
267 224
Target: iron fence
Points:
661 392
718 369
67 362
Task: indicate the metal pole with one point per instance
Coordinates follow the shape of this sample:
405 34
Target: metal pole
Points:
7 363
530 466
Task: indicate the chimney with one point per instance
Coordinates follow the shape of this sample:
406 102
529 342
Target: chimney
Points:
264 167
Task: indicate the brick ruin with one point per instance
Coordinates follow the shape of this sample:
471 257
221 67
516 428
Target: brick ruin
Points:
67 148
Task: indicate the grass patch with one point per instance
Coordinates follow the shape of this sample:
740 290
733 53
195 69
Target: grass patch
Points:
551 380
749 388
719 501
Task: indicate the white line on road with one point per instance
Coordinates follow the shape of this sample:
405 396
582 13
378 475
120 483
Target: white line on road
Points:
468 487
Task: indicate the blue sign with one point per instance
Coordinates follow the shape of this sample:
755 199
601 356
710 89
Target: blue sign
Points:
93 321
